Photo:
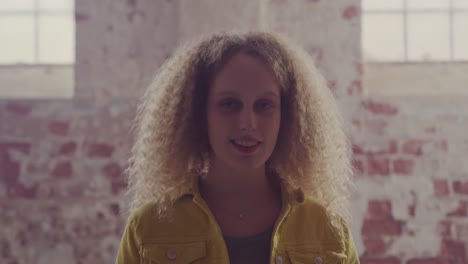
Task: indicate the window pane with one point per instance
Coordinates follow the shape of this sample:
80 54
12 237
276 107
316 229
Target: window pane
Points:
460 31
429 4
382 4
17 35
460 4
17 5
56 5
382 37
56 39
428 37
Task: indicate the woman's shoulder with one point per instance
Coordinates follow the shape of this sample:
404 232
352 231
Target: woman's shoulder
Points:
144 213
153 209
316 214
330 226
323 230
162 217
312 207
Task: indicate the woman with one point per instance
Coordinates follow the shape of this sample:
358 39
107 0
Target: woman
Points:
240 157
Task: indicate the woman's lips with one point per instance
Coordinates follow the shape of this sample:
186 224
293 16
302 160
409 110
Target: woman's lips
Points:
246 149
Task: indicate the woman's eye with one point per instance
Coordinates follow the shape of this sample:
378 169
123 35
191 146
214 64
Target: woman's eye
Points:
230 105
264 105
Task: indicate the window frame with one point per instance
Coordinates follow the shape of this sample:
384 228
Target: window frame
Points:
39 80
409 78
405 11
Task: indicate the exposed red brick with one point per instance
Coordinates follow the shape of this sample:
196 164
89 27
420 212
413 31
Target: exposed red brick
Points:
359 68
68 148
460 187
453 249
358 167
411 210
77 230
112 170
372 227
117 186
355 88
461 230
9 170
413 147
55 210
444 228
75 190
357 150
51 191
22 237
387 260
374 246
403 166
428 261
392 147
356 123
461 210
378 166
5 249
379 209
389 147
35 166
441 145
376 127
99 150
82 230
18 190
350 12
63 170
100 216
19 108
332 86
18 146
380 108
58 128
440 187
115 209
409 232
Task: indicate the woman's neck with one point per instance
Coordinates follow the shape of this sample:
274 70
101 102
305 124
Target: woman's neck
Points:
243 203
233 187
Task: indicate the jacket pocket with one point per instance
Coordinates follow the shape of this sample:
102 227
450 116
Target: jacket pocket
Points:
326 257
174 253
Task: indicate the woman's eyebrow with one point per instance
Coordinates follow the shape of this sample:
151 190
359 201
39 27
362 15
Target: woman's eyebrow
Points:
224 93
270 94
232 93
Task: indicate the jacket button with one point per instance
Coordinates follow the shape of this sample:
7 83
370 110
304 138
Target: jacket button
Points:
171 255
278 260
318 260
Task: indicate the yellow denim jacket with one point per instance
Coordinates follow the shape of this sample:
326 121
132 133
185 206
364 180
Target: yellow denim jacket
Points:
303 233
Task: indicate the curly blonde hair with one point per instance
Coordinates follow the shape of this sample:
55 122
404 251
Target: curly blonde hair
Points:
172 143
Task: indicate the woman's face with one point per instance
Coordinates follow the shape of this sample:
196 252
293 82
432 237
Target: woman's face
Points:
243 113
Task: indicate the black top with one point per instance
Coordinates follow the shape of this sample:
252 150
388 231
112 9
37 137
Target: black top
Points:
251 249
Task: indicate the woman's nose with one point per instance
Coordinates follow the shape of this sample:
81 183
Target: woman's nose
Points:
248 120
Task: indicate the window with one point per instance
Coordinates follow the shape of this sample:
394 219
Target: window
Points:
415 47
415 30
37 51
